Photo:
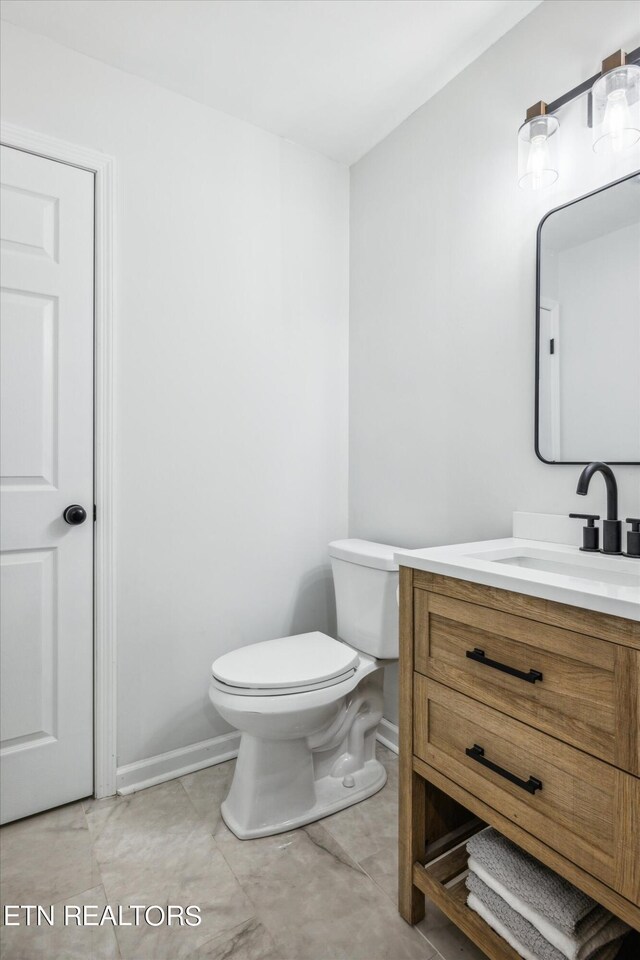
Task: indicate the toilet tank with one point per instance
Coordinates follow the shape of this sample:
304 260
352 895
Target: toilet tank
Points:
365 578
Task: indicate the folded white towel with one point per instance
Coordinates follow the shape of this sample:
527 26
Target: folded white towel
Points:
604 953
596 930
500 929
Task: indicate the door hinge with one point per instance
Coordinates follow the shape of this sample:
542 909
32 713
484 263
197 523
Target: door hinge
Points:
95 513
552 345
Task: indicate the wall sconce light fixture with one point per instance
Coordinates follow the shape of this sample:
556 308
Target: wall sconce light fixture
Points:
538 148
613 113
616 105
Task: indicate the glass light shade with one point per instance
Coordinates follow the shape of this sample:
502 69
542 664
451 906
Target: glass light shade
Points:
616 109
538 152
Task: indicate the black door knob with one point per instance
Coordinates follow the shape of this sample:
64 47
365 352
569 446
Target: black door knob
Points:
74 514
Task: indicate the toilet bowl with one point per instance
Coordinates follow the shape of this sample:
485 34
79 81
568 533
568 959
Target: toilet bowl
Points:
308 706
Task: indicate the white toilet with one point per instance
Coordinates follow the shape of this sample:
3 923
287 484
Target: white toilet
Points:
308 706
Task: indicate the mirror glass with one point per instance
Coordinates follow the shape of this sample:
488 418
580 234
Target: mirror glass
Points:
588 328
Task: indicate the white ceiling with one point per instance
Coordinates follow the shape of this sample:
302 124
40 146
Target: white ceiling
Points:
334 75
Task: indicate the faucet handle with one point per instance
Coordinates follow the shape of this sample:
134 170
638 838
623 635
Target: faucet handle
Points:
633 537
590 533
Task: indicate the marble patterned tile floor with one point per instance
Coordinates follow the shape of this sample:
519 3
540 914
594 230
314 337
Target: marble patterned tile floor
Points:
323 892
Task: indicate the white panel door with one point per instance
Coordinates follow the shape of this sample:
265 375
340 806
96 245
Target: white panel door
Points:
46 464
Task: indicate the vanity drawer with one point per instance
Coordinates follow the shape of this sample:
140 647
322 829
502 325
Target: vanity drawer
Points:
577 688
579 805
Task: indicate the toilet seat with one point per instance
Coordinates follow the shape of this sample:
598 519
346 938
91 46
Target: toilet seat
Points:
286 665
279 691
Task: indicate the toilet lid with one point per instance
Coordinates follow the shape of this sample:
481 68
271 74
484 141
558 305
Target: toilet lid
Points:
307 658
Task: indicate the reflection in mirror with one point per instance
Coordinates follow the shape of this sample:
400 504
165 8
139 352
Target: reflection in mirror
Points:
588 387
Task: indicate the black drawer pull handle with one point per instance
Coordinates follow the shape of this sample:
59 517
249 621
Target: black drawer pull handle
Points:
478 655
477 753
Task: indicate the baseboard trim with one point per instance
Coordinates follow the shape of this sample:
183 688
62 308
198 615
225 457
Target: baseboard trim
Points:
388 734
176 763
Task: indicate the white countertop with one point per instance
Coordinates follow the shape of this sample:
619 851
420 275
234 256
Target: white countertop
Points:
571 576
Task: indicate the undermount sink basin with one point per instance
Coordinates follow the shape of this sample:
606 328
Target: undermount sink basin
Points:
552 571
548 562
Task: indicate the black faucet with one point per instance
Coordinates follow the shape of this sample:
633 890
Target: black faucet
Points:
611 527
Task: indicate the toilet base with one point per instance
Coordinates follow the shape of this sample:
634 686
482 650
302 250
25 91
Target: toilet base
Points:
331 795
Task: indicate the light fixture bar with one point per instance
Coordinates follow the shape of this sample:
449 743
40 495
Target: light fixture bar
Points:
585 87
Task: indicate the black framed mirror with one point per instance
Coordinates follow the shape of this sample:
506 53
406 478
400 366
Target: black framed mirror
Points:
587 403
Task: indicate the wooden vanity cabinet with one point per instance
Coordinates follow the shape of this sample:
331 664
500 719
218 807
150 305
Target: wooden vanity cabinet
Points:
523 714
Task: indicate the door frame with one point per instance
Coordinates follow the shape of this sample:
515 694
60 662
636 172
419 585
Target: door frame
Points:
552 309
104 589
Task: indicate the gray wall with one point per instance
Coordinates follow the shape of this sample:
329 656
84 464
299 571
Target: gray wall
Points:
442 292
232 331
